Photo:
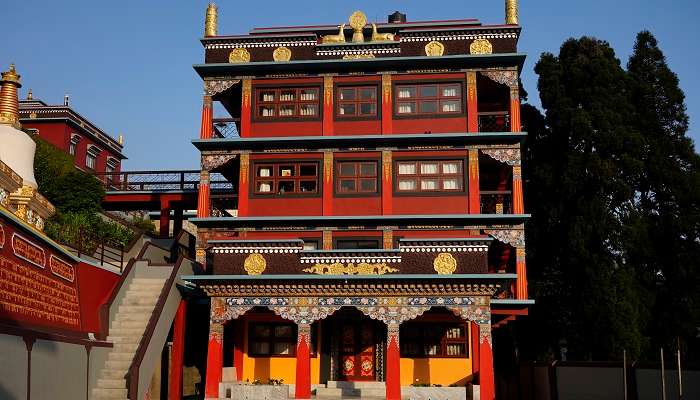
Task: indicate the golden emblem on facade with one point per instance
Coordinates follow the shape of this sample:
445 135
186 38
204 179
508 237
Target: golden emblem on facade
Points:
282 54
351 269
434 49
481 46
358 20
445 264
239 55
255 264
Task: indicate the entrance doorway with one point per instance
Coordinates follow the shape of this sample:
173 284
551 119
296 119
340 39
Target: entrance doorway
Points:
357 343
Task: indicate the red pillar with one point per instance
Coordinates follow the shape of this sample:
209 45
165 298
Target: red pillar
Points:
521 271
303 372
175 390
328 104
475 350
327 183
387 189
243 186
246 107
387 107
472 103
393 363
515 109
474 191
215 361
206 131
204 197
518 204
164 218
487 380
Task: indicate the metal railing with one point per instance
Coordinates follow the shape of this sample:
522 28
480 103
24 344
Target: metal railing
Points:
154 181
497 121
496 202
226 127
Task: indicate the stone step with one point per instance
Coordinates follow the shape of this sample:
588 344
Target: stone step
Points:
111 383
140 325
126 331
149 280
118 365
371 392
121 356
332 393
132 308
112 374
125 347
132 317
356 385
124 339
146 287
104 393
139 301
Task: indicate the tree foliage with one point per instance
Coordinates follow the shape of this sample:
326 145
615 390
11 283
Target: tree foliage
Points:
613 187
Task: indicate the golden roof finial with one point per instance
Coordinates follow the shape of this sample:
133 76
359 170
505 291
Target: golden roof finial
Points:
512 12
9 104
30 95
120 140
210 22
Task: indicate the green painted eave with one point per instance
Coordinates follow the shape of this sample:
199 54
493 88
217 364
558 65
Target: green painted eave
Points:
361 141
370 220
452 62
386 277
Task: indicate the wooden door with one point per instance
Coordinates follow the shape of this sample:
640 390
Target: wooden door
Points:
357 351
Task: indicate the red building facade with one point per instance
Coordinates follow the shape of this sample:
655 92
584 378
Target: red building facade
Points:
93 150
378 229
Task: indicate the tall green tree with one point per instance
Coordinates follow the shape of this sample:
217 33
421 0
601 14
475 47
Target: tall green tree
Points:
664 244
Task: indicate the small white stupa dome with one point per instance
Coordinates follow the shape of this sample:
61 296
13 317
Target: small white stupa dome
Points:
16 147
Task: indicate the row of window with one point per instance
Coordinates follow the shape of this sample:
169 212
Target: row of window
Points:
417 339
359 177
424 99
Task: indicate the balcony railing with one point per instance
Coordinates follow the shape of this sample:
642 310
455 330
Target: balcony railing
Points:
155 181
226 127
496 202
498 121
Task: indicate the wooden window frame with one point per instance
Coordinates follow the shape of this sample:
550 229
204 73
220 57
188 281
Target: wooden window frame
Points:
271 340
357 102
439 176
276 103
444 340
357 178
376 239
275 178
460 99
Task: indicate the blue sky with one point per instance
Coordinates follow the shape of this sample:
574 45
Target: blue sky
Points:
128 64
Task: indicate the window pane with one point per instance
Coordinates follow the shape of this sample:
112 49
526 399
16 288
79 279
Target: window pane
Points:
368 169
368 93
307 186
450 168
286 170
285 186
368 109
428 91
368 185
407 108
288 95
308 110
267 111
429 184
407 169
347 94
267 96
432 349
450 106
284 331
456 332
261 348
261 330
307 94
286 110
455 349
347 169
264 171
265 187
347 185
308 170
407 184
450 184
428 168
284 348
406 92
451 90
428 106
346 109
310 245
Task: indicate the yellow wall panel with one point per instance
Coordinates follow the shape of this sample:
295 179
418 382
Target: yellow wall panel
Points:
436 371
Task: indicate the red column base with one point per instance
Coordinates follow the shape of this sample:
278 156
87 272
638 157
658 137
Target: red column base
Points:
303 371
393 367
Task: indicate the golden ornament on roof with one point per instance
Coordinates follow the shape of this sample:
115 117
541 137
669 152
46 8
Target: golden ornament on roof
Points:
339 38
445 264
282 54
434 49
255 264
358 20
239 55
480 46
210 22
512 12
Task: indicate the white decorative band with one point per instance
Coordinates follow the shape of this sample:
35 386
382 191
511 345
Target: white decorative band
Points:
246 250
259 44
342 52
450 248
459 37
331 260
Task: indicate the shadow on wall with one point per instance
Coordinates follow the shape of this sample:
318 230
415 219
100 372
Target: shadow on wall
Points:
4 394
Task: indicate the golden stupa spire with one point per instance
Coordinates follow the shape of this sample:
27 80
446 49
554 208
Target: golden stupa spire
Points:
512 12
9 104
30 95
210 22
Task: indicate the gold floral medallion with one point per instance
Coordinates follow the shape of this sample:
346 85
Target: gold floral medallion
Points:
239 55
255 264
481 46
434 49
445 264
282 54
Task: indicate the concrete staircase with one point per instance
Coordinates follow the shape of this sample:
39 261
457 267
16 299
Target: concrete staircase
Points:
352 390
125 331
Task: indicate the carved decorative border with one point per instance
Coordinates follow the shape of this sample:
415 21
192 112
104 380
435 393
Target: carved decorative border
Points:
214 87
513 237
507 156
29 243
61 268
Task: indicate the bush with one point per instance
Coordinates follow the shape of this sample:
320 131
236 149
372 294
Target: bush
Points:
86 231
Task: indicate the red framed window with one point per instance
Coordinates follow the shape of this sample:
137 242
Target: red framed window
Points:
429 176
355 177
276 339
429 99
444 340
294 103
298 178
356 101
